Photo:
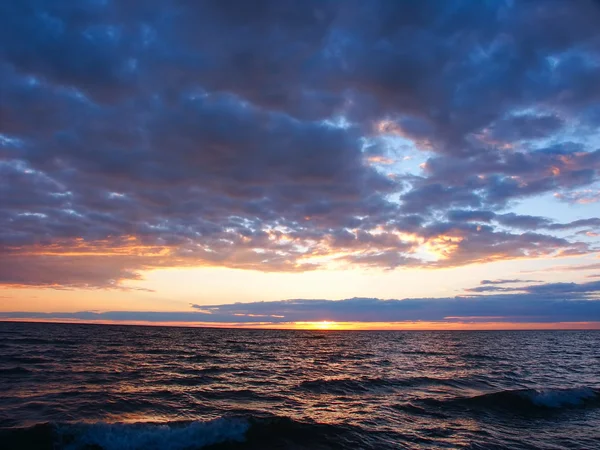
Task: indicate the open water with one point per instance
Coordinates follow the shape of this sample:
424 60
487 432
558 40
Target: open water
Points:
70 386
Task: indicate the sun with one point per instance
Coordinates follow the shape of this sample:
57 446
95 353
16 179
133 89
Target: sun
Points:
317 325
325 325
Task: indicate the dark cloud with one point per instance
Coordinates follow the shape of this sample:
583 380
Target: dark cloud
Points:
89 271
521 127
542 303
560 289
494 177
498 285
145 134
473 215
518 221
593 222
523 221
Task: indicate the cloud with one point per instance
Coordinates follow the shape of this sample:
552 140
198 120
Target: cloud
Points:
518 221
526 126
89 271
507 281
144 135
541 303
583 197
497 285
480 289
560 289
573 268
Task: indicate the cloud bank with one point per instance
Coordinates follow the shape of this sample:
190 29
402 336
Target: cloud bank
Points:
540 303
286 135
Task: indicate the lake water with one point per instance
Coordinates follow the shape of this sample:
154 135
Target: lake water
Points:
71 386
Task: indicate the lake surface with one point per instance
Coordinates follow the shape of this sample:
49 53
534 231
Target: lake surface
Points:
70 386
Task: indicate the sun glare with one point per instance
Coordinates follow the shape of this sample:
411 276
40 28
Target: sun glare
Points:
325 325
320 325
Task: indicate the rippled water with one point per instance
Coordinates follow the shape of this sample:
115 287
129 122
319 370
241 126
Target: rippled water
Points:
115 387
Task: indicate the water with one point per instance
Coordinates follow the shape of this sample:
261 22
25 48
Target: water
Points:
115 387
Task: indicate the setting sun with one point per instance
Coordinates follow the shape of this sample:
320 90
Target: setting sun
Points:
325 325
320 325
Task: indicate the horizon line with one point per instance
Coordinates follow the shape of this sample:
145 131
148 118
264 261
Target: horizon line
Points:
332 325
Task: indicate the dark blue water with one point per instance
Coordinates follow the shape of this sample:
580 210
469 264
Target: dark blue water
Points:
115 387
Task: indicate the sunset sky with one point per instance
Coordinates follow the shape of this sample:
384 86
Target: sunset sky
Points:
301 163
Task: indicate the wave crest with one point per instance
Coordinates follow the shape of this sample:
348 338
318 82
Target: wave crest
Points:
527 400
231 432
158 436
559 398
126 436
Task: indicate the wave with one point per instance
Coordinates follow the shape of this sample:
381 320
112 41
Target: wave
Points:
559 398
343 385
347 386
121 436
527 400
423 353
186 381
243 432
240 395
27 340
478 356
15 371
27 359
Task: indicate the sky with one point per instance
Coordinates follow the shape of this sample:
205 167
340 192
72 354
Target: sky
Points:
301 163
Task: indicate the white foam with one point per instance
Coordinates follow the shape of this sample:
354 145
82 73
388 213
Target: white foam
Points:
556 398
157 436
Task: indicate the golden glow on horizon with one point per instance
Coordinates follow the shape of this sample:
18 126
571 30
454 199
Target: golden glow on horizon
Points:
345 326
322 325
175 289
424 325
